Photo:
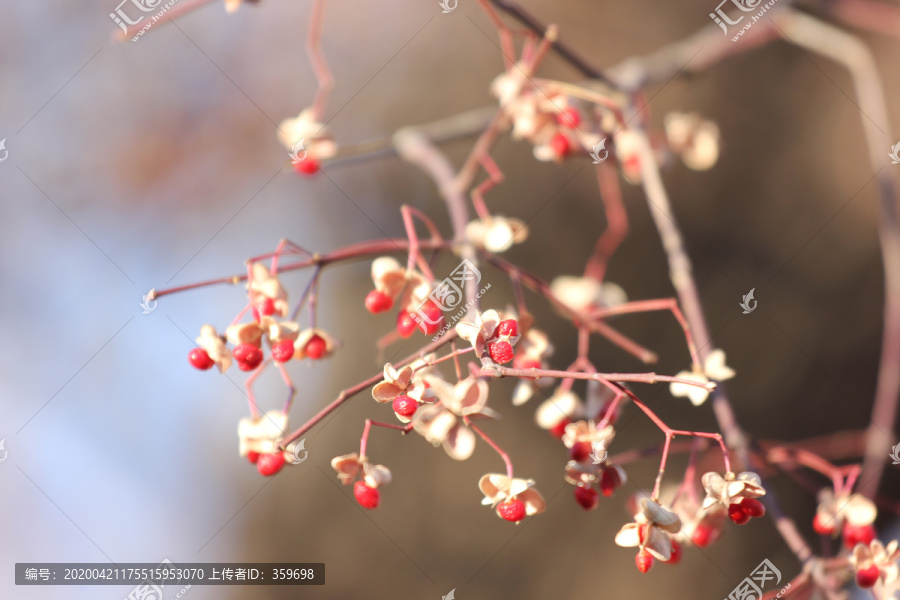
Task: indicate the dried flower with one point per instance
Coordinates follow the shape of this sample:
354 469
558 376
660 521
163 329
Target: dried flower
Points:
442 423
262 434
349 466
496 233
650 530
499 490
215 347
263 285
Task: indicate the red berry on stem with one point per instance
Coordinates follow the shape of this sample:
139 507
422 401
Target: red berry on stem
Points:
569 117
560 145
501 352
753 507
283 351
508 327
580 451
307 166
248 356
858 534
610 481
377 302
822 527
512 510
586 497
433 320
644 561
559 429
675 558
736 513
406 324
199 359
267 307
703 535
368 497
269 464
405 406
316 347
252 457
866 578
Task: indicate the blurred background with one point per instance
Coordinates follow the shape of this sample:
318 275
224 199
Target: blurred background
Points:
152 164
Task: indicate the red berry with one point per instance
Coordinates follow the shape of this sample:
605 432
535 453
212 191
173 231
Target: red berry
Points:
753 508
580 451
508 327
252 457
610 481
248 356
703 535
405 406
307 166
569 117
368 497
377 301
559 429
675 558
512 510
199 359
501 352
736 513
433 320
283 351
822 527
316 347
267 307
560 145
644 561
586 497
269 464
858 534
406 324
866 578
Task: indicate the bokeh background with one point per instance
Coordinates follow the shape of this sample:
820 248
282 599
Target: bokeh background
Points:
155 163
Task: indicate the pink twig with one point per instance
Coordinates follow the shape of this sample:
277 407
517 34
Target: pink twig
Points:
490 442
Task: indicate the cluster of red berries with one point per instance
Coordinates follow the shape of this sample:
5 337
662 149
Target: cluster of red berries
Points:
852 534
378 301
610 480
560 144
742 511
267 464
